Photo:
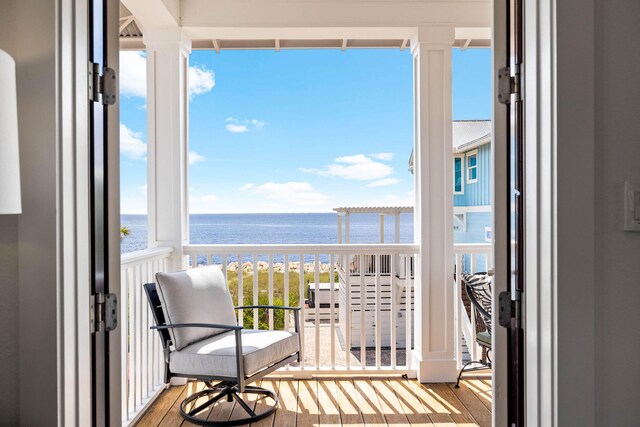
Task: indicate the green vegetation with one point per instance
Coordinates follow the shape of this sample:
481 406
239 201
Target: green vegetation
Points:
263 294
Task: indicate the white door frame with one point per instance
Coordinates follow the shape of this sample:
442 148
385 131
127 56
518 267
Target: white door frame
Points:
74 340
559 307
73 224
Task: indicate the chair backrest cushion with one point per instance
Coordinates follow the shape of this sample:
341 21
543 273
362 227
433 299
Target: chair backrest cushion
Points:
197 295
478 288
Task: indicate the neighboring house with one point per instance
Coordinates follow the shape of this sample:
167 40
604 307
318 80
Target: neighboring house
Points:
472 181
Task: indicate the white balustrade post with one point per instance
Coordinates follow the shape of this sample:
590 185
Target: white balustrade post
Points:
168 52
434 354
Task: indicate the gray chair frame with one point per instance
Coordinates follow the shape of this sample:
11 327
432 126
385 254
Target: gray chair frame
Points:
227 387
483 317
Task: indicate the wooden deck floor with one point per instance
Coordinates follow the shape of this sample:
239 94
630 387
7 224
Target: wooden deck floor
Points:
350 402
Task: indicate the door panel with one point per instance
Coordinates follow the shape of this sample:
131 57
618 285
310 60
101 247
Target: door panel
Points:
515 191
104 248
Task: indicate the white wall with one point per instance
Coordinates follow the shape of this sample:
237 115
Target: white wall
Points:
617 308
35 63
575 214
8 272
28 388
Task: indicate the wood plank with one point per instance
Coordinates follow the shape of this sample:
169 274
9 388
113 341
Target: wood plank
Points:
328 404
410 404
350 402
473 404
389 403
350 414
433 407
459 413
173 417
368 403
287 394
167 399
307 413
264 403
480 385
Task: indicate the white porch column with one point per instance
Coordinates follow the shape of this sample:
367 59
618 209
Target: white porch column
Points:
168 52
434 355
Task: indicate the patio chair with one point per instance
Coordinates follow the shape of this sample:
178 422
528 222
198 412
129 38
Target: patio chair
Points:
478 289
199 331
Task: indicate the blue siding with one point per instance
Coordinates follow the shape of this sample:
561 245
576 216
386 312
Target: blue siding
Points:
476 222
478 193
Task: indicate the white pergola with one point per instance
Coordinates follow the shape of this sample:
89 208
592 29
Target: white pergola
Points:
431 29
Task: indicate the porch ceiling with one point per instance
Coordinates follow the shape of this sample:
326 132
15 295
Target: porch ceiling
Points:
303 24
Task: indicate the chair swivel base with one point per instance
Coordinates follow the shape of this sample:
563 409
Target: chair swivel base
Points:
228 391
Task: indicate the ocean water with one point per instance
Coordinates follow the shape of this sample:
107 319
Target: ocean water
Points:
288 228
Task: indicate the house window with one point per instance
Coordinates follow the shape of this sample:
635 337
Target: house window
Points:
458 174
472 167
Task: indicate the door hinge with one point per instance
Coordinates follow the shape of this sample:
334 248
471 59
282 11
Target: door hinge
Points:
508 84
103 312
103 86
509 309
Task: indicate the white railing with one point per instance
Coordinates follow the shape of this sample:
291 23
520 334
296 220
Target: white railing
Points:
331 345
374 328
142 355
469 258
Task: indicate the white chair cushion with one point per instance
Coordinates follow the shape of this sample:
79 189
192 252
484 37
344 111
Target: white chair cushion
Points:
216 356
198 295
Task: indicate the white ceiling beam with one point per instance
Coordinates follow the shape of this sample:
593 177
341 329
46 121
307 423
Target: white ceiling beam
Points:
473 33
404 44
155 13
277 45
344 44
281 19
466 44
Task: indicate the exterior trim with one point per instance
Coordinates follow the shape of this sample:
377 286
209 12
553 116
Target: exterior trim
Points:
468 169
460 156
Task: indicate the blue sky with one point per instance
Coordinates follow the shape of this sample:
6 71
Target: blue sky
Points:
294 131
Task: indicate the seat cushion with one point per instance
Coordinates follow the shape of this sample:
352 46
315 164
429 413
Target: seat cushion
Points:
216 356
198 295
484 338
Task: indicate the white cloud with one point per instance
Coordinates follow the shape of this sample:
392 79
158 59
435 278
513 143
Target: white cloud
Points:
241 126
357 167
206 203
131 144
382 156
301 193
206 198
201 80
143 188
133 73
383 182
195 158
233 128
133 76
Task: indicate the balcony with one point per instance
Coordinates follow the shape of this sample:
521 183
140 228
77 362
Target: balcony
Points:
332 346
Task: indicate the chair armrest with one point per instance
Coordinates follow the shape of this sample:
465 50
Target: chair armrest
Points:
199 325
279 307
